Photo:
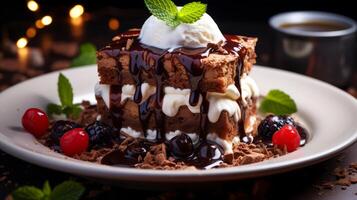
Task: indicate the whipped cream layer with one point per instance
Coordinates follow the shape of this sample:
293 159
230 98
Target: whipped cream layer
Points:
158 34
174 98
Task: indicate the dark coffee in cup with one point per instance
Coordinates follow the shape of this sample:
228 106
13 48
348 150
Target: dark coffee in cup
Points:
318 44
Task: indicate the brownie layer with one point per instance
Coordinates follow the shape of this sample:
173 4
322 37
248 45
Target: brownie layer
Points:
219 65
185 121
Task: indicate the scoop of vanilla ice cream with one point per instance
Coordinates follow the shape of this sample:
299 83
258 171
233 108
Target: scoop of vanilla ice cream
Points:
157 33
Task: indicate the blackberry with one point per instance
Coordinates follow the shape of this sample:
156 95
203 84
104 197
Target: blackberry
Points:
273 123
181 146
60 127
100 134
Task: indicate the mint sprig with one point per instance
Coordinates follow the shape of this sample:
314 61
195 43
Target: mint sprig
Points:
68 190
28 193
65 94
191 12
87 55
167 11
278 103
164 10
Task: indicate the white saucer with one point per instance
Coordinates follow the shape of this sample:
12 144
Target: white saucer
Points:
329 114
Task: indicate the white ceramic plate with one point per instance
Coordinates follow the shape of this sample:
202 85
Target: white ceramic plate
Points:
329 114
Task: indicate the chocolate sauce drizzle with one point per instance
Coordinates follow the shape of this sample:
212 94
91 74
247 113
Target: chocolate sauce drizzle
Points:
150 60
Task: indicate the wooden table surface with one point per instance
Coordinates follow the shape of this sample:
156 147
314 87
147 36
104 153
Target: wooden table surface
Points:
58 44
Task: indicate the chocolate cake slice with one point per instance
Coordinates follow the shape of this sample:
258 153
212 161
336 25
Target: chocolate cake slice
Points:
157 94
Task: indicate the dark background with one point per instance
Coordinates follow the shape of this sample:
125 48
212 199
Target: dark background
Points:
220 10
241 10
244 17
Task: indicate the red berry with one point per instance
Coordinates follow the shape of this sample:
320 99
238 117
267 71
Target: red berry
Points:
74 142
35 121
287 136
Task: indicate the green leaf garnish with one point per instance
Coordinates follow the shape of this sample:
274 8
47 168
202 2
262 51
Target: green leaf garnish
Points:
278 103
54 109
46 189
65 93
191 12
167 11
72 111
28 193
68 190
164 10
87 55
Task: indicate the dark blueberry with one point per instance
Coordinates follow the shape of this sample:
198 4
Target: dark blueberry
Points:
208 153
100 134
271 124
181 146
303 134
60 127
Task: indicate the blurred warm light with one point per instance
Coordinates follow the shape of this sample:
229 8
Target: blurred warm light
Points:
31 32
32 5
21 43
39 24
113 24
46 20
76 11
77 21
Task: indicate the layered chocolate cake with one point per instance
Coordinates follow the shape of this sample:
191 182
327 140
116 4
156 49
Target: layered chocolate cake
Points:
175 94
161 82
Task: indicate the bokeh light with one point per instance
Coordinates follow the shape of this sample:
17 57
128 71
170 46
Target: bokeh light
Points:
39 24
46 20
113 24
31 32
76 11
21 43
32 5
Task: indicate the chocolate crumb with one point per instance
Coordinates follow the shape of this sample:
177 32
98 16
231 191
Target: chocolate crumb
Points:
343 182
353 179
340 172
328 185
116 38
353 165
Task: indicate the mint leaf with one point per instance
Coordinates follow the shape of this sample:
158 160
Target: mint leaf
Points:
54 109
76 111
278 103
65 91
87 55
72 111
191 12
46 189
28 193
164 10
68 190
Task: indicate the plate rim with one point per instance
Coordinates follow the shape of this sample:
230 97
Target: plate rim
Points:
149 175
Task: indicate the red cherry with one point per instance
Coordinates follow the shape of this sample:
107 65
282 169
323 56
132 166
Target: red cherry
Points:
74 142
287 136
35 121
